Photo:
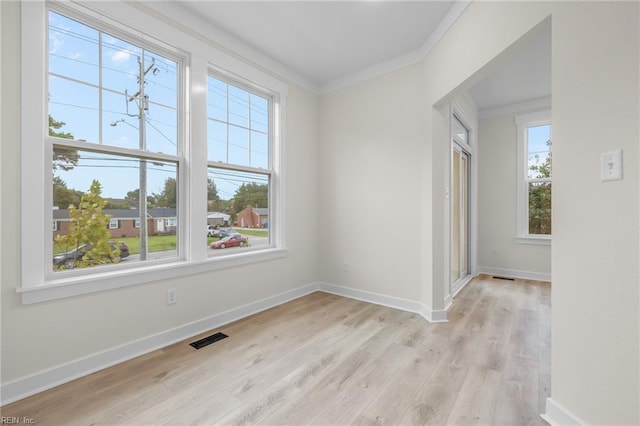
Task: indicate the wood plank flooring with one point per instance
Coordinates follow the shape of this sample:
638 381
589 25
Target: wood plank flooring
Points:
325 359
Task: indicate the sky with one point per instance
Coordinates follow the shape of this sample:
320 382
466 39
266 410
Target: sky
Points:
93 77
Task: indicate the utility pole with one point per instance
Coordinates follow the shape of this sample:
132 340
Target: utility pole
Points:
143 107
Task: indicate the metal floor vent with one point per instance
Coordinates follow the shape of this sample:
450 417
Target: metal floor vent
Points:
208 340
503 278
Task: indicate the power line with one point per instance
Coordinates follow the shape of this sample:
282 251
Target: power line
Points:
164 61
162 134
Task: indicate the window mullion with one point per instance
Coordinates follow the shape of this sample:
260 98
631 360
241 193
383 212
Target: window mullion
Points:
105 149
100 105
196 186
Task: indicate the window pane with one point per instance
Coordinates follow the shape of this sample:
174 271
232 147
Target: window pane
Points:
240 199
85 93
161 129
120 67
76 106
238 145
539 151
238 106
238 125
73 49
217 100
217 141
161 79
259 113
117 224
460 133
540 208
259 150
119 129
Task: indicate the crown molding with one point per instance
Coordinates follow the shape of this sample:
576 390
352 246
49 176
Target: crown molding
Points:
516 107
401 61
179 17
197 26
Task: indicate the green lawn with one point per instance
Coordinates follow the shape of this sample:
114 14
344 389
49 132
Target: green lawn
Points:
253 232
157 243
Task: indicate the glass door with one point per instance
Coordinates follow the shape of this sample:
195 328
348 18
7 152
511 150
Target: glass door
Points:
460 223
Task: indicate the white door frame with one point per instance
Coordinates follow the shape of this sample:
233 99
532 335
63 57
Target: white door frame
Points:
465 147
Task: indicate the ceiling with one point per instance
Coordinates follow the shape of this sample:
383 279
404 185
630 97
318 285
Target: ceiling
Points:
325 42
522 73
331 44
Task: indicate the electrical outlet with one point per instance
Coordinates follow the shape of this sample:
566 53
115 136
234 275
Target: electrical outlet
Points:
171 296
494 252
345 266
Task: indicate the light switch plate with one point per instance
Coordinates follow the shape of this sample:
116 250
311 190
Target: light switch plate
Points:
611 165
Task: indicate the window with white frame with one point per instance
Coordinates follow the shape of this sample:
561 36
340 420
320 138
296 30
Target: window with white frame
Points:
534 176
238 154
115 101
113 119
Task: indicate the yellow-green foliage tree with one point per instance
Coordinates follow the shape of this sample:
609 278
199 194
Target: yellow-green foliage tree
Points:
89 225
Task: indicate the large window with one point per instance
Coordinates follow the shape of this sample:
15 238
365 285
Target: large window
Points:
141 126
113 119
238 153
534 176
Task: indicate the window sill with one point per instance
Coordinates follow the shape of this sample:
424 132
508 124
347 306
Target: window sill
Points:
536 240
86 284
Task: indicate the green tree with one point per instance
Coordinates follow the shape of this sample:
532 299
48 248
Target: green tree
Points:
540 197
114 205
254 194
134 195
213 200
169 195
63 196
89 225
63 158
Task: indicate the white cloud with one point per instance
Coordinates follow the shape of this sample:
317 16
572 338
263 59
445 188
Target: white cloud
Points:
54 44
121 56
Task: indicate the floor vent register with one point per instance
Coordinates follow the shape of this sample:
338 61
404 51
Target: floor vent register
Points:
208 340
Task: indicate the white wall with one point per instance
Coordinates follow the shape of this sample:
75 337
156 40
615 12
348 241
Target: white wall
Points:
44 335
370 184
595 357
499 250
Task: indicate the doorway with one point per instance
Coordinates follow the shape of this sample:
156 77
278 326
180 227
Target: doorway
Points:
460 205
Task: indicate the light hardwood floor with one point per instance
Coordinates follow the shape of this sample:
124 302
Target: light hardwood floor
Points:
325 359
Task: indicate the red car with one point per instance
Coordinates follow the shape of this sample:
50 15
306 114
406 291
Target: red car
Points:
230 241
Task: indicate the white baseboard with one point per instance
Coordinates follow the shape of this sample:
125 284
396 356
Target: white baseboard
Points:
435 316
557 415
58 375
47 379
514 273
